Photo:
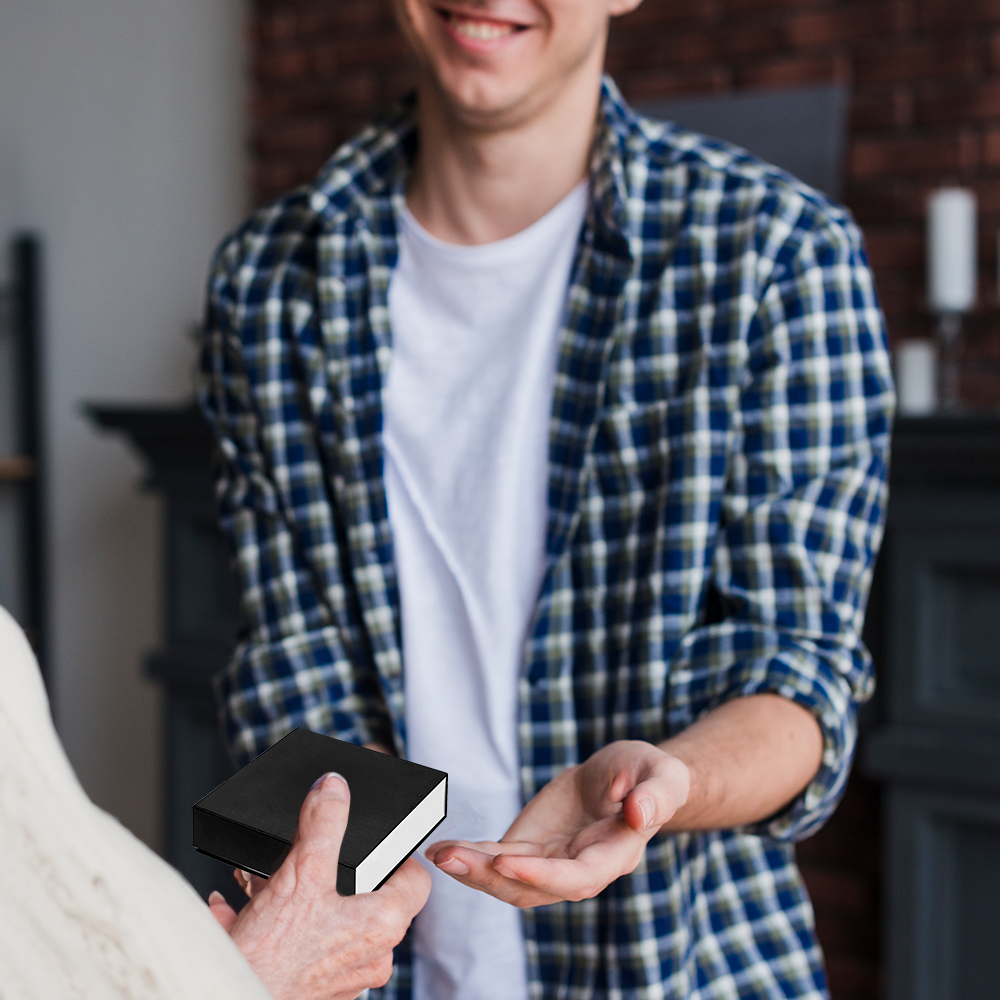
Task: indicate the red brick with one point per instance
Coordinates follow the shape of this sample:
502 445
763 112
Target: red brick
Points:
898 284
751 39
916 153
881 203
358 92
901 200
916 321
980 388
880 110
961 103
295 137
870 18
657 12
379 50
895 247
920 322
692 47
837 890
958 13
276 26
345 14
991 147
910 61
272 107
755 6
396 82
982 346
283 64
795 70
647 86
662 52
272 179
842 847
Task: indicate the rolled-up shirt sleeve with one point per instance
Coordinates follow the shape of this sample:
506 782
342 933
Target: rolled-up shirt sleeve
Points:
803 512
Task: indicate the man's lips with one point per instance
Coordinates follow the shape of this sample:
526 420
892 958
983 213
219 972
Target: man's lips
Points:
479 29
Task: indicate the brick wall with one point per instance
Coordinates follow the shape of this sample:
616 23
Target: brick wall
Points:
925 79
925 109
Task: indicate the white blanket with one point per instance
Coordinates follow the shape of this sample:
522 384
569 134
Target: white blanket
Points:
86 910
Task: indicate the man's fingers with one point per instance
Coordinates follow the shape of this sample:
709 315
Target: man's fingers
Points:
568 878
598 855
558 878
490 847
222 911
476 869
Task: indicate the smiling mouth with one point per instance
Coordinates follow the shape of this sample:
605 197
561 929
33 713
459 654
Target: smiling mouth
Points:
478 29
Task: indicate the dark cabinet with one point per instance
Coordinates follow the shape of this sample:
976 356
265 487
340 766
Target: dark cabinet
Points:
936 747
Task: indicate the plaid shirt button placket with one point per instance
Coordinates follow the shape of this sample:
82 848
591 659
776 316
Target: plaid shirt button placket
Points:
718 460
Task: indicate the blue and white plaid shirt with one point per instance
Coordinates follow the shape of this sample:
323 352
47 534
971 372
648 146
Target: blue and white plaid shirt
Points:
717 483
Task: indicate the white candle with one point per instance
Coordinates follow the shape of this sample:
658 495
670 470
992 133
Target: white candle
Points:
951 250
916 377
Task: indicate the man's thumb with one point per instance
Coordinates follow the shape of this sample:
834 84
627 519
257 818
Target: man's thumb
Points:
655 799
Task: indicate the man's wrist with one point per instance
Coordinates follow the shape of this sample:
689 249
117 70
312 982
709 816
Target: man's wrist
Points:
684 817
747 759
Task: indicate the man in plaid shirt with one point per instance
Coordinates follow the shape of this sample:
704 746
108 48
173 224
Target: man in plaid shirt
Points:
715 459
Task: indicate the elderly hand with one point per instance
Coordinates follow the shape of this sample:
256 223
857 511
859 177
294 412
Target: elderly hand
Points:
584 829
304 940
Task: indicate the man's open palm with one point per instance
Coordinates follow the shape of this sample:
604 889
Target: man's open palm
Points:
586 828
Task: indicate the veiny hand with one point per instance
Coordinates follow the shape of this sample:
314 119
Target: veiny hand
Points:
304 940
583 830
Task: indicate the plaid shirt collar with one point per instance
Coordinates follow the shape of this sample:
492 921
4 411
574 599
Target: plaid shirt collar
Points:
384 153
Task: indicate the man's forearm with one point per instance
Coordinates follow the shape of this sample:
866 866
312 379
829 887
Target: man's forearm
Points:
747 758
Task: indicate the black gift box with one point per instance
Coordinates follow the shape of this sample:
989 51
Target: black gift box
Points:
250 820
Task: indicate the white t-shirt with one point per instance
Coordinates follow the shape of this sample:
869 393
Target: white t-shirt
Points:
466 429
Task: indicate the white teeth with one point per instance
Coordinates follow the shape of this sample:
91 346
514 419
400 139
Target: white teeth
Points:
483 31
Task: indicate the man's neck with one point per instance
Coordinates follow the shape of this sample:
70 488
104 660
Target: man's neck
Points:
474 185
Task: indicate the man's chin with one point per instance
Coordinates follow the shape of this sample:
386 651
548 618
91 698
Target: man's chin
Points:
488 107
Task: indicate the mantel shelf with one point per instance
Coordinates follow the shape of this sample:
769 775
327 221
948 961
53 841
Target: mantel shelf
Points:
16 468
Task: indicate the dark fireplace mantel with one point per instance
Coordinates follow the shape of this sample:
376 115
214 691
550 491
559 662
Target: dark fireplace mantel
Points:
199 619
936 746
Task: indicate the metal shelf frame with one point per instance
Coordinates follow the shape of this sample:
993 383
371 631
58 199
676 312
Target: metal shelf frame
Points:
25 470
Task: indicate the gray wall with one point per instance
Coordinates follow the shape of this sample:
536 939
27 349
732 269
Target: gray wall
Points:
122 143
